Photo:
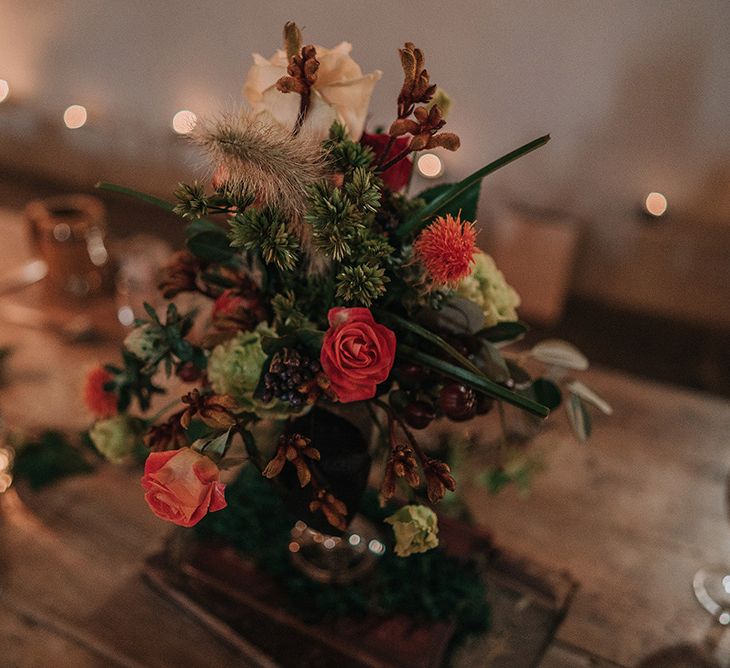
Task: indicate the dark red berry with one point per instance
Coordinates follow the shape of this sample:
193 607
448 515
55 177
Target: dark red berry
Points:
188 372
458 402
411 374
419 414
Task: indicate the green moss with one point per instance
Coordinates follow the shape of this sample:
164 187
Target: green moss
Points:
430 586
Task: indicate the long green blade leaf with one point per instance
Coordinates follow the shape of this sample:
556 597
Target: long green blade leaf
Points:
457 189
432 338
136 194
480 383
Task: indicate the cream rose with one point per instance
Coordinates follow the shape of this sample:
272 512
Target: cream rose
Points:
341 91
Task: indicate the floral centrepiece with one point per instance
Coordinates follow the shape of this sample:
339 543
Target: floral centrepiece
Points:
338 302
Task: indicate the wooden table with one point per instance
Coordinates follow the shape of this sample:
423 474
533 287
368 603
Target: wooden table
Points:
631 516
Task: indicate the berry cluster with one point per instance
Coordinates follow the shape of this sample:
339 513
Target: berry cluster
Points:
294 377
422 398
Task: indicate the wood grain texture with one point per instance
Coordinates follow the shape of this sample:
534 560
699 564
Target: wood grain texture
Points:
631 516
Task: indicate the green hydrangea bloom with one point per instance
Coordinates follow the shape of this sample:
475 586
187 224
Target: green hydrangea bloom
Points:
487 287
416 530
235 367
115 438
143 342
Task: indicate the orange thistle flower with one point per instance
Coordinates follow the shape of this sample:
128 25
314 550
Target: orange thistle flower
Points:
102 403
446 248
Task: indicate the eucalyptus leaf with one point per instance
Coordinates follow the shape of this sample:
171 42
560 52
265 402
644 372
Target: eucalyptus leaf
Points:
504 331
456 316
547 393
519 376
586 393
556 352
579 418
466 203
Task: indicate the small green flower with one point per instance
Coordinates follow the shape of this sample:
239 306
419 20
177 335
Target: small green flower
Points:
235 367
487 287
144 342
416 530
116 437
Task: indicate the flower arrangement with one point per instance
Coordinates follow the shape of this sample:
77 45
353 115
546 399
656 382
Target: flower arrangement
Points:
326 292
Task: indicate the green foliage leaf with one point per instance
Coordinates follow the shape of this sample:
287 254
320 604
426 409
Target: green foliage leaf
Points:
476 381
210 246
466 202
587 394
47 458
555 352
490 360
579 418
413 224
136 194
519 376
504 331
432 338
547 393
311 339
217 445
202 225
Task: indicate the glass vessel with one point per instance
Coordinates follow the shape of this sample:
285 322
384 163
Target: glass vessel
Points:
334 559
711 583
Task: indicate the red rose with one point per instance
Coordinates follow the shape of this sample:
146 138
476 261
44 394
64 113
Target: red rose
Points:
357 353
233 310
182 486
395 177
100 402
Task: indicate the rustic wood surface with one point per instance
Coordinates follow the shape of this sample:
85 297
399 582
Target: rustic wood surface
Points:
631 516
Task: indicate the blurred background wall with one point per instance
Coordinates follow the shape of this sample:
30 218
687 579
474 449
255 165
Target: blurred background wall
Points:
635 95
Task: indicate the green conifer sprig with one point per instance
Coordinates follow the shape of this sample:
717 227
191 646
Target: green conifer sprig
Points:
192 200
344 154
335 221
265 230
286 313
361 284
194 203
363 189
235 195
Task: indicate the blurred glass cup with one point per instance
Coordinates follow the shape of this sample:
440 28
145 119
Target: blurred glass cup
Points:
140 260
68 233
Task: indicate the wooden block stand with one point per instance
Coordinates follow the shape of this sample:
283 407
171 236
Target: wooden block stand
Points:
247 609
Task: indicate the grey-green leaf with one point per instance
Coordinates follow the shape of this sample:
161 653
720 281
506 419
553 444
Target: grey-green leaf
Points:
579 418
555 352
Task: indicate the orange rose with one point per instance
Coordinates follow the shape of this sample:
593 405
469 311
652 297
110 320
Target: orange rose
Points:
182 486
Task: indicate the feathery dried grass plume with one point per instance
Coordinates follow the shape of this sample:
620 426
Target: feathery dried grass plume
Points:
264 157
